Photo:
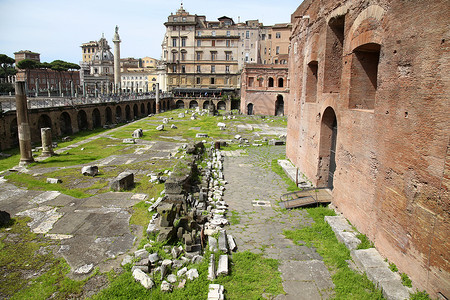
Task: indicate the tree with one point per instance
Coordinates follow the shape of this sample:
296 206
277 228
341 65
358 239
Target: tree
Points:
6 63
27 65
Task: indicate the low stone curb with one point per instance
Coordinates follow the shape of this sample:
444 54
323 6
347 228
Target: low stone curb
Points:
369 261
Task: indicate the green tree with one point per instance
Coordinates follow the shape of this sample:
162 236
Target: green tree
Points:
27 65
6 64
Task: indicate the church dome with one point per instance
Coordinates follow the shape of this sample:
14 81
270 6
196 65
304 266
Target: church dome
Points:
103 53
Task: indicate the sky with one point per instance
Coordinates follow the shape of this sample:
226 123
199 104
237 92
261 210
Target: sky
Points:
57 28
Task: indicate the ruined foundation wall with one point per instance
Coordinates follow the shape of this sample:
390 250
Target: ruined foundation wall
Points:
389 90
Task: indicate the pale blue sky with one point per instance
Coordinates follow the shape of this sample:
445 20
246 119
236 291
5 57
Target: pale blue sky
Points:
57 28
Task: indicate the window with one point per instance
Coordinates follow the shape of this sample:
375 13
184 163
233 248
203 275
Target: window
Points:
213 43
364 76
213 33
199 43
174 56
227 69
228 33
246 56
333 53
228 56
277 50
263 37
311 81
198 80
199 55
280 82
278 35
199 69
269 36
270 82
247 34
250 81
183 56
174 19
184 19
183 69
183 27
174 42
213 69
174 28
174 68
199 33
213 56
228 43
213 81
265 50
183 42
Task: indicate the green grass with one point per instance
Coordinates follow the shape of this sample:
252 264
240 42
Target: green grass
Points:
291 186
29 269
348 284
235 218
406 281
393 267
419 295
9 162
251 275
365 242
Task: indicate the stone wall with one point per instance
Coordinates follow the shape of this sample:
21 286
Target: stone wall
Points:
377 71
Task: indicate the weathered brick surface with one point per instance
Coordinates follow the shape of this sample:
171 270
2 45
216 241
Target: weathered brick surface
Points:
392 158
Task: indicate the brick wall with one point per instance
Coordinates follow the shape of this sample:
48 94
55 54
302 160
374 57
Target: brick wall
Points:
389 91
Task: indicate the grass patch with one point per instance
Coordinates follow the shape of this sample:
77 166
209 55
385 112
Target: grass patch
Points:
291 186
29 269
348 284
235 218
365 242
393 267
406 281
419 295
9 162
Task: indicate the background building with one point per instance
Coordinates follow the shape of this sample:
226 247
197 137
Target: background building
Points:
368 118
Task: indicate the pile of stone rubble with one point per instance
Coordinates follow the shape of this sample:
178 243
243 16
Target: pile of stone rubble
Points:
191 210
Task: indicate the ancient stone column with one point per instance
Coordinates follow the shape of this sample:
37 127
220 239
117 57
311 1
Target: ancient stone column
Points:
158 104
116 41
71 88
46 137
23 125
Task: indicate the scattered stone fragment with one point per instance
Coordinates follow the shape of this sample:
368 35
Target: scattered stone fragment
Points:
175 252
197 259
201 135
124 181
85 269
153 258
181 115
216 292
89 170
160 127
192 274
222 268
181 272
141 254
231 242
166 121
128 259
138 133
173 126
129 141
143 278
223 243
212 268
53 180
212 244
182 284
172 278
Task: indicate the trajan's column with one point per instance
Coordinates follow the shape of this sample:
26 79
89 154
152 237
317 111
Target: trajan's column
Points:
116 41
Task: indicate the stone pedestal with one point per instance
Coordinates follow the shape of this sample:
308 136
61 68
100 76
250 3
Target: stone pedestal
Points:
46 137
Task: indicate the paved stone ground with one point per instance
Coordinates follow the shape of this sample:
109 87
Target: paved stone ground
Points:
252 193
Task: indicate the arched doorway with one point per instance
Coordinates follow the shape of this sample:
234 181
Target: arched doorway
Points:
142 109
96 119
118 114
44 121
154 107
279 106
179 104
82 120
127 113
250 109
149 108
206 104
221 105
280 82
193 104
65 124
327 149
270 82
135 111
13 130
108 114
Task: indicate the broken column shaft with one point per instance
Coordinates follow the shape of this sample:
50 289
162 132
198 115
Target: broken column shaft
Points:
23 125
